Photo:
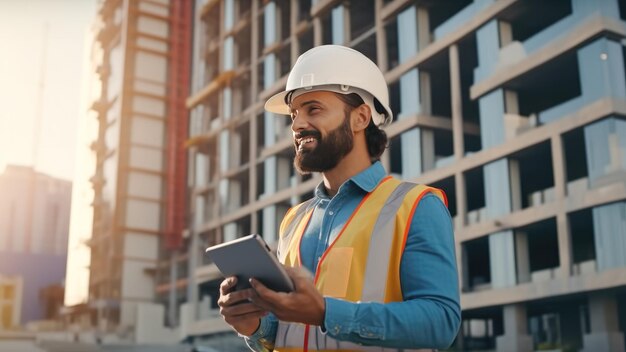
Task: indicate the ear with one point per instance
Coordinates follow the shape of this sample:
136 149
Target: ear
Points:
361 117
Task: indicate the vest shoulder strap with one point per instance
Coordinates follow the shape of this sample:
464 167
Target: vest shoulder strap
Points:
292 218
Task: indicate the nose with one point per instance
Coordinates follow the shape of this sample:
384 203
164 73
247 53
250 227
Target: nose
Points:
298 122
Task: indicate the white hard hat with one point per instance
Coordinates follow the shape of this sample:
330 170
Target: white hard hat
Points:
337 69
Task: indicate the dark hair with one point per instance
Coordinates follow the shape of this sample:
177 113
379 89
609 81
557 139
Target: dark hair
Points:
375 138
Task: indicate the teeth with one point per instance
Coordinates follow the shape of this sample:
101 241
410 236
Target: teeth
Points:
305 141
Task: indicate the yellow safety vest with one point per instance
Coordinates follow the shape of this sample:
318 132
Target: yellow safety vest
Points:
361 265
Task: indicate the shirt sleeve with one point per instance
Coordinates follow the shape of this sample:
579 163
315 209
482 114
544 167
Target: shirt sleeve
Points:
263 338
430 315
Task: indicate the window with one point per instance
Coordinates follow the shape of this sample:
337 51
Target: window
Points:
532 185
605 143
333 26
477 263
582 242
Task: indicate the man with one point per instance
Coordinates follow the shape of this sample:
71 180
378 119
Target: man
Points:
381 251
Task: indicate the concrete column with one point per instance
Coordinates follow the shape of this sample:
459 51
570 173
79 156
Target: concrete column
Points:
294 9
270 182
462 257
515 184
254 40
565 245
515 336
224 141
502 259
427 149
283 168
521 257
560 190
457 103
411 144
270 228
411 98
252 152
425 94
501 244
511 102
231 231
345 19
172 294
192 265
317 31
423 28
506 33
605 334
222 20
270 15
488 45
461 199
381 39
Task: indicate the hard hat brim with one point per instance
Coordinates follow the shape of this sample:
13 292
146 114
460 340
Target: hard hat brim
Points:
277 105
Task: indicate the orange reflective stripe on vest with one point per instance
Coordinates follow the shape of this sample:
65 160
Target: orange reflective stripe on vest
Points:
363 262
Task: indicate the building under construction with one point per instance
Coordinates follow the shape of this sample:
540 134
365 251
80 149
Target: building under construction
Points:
141 55
516 108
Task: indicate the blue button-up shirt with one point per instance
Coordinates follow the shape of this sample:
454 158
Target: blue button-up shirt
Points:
430 314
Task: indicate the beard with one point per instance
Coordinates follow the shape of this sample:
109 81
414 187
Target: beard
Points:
329 150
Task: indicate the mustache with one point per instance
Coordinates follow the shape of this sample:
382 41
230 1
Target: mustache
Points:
304 134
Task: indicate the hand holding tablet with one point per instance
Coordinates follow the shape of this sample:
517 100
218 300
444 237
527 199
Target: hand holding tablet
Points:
250 257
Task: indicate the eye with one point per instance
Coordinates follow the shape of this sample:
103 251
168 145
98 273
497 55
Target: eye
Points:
313 109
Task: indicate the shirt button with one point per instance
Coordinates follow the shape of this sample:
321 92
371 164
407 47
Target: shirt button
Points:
331 212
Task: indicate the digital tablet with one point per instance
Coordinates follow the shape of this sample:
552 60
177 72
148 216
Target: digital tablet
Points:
250 257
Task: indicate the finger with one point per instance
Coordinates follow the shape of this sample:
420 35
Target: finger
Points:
263 304
230 319
232 315
241 310
264 293
235 297
227 284
236 320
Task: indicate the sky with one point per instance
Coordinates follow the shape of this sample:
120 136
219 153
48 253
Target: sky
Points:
26 28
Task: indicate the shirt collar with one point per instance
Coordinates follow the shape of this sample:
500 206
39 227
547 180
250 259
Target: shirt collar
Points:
366 180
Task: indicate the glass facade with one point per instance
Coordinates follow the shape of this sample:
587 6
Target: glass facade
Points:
609 222
606 150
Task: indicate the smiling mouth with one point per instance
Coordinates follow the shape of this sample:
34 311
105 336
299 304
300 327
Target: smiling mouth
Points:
302 143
